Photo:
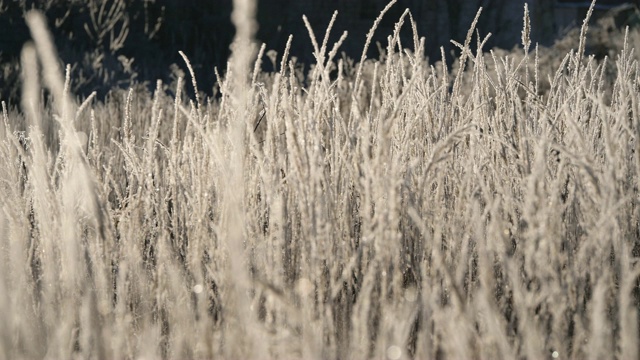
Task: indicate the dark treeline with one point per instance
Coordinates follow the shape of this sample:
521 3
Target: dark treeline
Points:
122 42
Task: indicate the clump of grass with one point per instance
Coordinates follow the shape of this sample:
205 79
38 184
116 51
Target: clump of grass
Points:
387 208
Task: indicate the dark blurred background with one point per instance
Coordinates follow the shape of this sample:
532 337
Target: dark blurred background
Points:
126 42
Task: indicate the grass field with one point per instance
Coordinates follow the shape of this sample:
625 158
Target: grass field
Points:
364 209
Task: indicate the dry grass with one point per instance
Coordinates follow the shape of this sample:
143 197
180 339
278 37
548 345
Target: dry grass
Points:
381 209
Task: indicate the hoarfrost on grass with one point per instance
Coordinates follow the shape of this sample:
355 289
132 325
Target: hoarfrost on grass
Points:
385 208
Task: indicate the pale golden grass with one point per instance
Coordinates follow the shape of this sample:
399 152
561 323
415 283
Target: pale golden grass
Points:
382 209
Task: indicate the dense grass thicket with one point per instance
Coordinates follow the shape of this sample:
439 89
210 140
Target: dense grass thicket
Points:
370 209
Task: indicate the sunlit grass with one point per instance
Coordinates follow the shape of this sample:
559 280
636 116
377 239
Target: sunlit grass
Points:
385 208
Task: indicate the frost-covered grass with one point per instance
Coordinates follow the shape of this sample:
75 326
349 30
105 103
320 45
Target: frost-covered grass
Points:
364 209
